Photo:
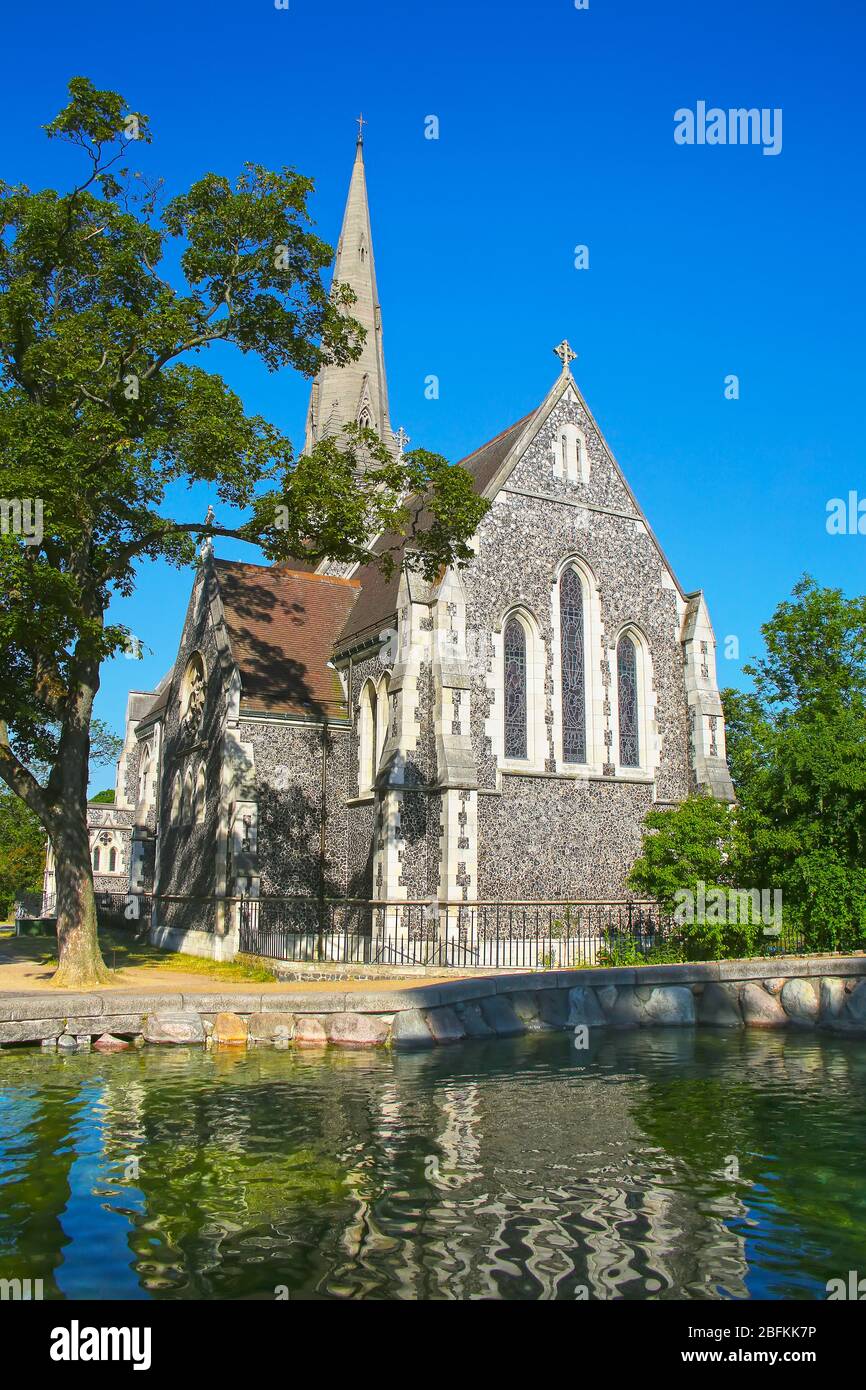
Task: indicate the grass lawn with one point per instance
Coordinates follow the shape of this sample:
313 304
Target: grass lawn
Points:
121 951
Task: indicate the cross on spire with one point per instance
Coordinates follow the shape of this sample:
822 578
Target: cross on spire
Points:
361 123
402 439
565 354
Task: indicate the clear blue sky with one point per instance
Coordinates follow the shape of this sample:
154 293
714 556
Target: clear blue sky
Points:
556 130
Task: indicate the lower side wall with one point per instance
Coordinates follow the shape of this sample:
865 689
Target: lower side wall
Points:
826 993
193 943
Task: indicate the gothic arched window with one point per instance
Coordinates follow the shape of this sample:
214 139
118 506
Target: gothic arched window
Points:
200 795
96 857
626 676
578 457
175 800
573 668
374 735
186 804
383 711
144 775
112 861
368 739
515 689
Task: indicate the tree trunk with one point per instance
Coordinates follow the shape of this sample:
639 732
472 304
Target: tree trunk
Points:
61 806
80 963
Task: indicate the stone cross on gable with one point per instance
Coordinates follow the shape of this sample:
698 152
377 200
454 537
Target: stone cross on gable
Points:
565 353
402 439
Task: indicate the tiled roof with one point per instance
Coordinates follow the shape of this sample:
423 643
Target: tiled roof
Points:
282 625
377 601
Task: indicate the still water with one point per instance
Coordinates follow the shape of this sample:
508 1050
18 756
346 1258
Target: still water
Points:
664 1164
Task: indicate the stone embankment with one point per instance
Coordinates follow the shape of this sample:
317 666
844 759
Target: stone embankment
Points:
827 992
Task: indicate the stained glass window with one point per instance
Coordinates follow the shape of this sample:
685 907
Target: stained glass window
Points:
573 681
626 669
515 690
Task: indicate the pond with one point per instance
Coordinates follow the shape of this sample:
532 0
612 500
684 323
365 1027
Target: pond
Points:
662 1164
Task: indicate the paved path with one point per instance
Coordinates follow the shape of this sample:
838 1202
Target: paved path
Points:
20 974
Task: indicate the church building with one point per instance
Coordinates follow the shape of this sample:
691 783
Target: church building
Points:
497 736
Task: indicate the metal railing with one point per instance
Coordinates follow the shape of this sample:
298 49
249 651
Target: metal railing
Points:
111 908
520 935
491 935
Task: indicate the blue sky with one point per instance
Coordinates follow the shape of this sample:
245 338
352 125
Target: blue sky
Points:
556 129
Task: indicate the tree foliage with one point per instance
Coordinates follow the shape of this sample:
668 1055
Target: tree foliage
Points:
697 848
797 750
22 852
797 754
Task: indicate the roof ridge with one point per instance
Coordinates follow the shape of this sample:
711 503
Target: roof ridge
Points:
284 570
496 438
321 578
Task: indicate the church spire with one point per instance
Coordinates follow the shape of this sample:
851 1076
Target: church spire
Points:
358 392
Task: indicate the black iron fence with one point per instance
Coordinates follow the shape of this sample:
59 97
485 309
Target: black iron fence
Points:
535 935
493 935
111 908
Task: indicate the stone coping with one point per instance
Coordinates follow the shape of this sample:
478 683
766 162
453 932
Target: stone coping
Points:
47 1005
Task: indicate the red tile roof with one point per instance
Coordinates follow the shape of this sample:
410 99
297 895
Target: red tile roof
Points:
282 625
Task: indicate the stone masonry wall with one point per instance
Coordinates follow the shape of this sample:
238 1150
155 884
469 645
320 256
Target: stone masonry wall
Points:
288 769
188 866
583 835
827 994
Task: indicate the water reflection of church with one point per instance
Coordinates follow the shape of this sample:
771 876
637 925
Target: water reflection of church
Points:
497 1174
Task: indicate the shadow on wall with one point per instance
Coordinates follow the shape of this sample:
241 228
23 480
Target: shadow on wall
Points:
264 626
289 845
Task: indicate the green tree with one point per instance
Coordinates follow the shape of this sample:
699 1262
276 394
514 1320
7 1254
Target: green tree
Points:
689 844
696 848
22 851
108 302
797 752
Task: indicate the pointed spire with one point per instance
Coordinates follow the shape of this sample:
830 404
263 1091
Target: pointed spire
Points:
358 392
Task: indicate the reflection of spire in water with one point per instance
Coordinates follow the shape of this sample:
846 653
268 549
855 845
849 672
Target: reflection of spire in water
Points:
552 1257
